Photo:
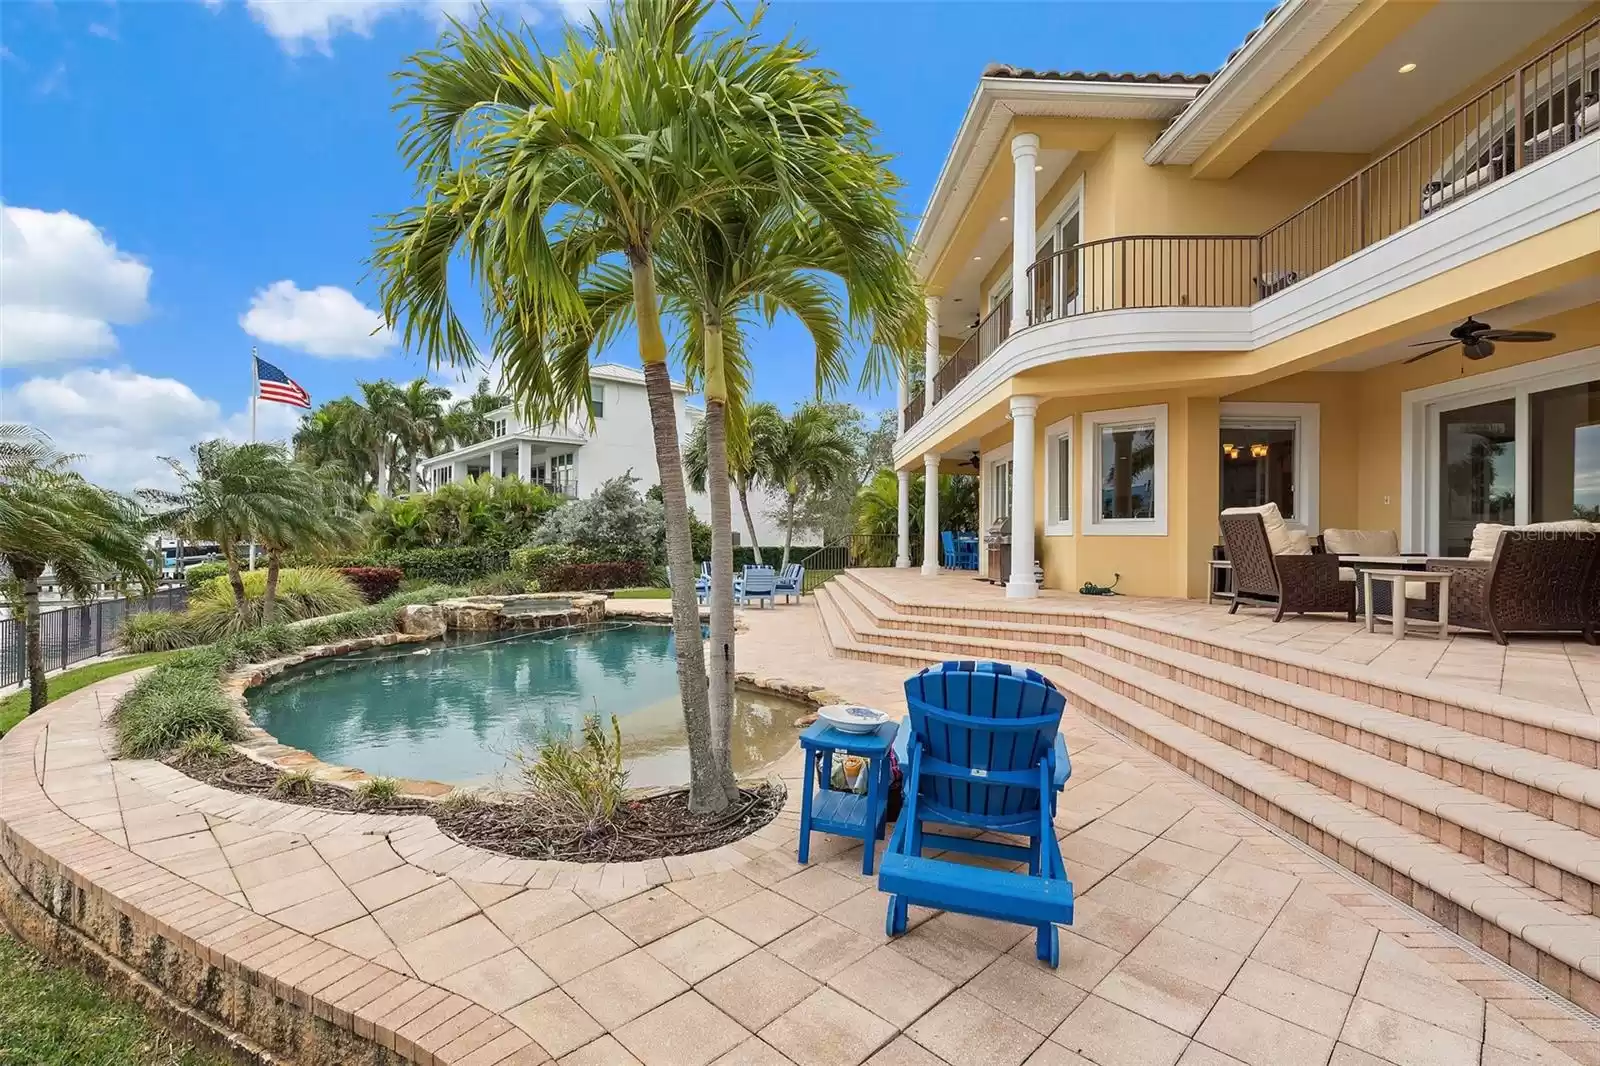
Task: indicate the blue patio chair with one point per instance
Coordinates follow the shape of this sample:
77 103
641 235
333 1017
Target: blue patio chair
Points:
790 582
947 540
966 552
982 750
759 583
702 584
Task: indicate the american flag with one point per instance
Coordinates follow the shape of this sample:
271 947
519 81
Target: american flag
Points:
273 384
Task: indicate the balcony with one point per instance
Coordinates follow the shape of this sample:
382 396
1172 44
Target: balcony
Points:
1480 143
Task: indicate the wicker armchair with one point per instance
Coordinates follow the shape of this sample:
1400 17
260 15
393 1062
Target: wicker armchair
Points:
1537 582
1294 584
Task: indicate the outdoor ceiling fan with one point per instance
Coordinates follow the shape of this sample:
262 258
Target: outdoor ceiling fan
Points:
1477 339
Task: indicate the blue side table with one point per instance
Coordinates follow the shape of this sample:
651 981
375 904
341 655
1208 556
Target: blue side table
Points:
845 813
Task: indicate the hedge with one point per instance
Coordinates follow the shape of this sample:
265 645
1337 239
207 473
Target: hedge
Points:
586 577
374 582
198 574
450 566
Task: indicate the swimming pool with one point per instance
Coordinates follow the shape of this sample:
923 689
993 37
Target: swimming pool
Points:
455 709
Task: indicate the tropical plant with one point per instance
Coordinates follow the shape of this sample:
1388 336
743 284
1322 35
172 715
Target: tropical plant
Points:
384 424
376 790
808 452
330 436
301 594
52 519
425 425
480 511
154 631
613 522
468 421
177 700
742 472
580 787
877 510
236 493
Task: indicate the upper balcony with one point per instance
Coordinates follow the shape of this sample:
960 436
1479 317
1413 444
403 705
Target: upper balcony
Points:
1474 146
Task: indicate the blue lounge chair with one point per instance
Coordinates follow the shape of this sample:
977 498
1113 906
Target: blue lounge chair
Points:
982 750
759 583
790 582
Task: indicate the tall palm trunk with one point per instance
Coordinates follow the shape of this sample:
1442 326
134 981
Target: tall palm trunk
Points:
721 666
269 599
235 579
749 523
38 688
788 523
380 476
416 472
706 795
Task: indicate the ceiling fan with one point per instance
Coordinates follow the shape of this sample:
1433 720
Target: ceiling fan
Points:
1477 339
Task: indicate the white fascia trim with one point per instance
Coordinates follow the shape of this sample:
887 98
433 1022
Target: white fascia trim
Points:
994 103
1054 433
1307 418
1247 77
486 447
1541 197
1089 473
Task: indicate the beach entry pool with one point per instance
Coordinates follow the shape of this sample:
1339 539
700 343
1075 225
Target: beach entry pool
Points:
455 709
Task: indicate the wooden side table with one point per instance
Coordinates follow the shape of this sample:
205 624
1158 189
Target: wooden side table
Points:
1397 598
848 814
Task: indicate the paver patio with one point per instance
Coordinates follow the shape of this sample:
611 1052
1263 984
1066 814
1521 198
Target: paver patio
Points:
1202 937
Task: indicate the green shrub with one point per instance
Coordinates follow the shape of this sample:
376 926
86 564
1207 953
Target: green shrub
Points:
204 749
588 577
534 560
156 631
170 705
378 790
293 783
449 566
579 787
302 593
198 574
423 593
373 582
508 583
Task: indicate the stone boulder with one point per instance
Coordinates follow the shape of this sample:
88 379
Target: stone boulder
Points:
421 620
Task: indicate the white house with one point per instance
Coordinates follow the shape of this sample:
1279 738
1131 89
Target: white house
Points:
571 458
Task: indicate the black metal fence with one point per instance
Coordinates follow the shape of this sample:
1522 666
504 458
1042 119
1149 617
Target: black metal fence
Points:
78 632
855 550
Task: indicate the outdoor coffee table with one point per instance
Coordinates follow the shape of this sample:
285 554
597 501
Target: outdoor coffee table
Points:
848 814
1397 598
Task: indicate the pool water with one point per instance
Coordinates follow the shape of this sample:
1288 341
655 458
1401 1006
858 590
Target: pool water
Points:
455 710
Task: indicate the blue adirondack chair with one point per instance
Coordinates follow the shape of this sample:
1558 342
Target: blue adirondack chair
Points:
982 750
947 540
702 584
966 552
790 582
759 583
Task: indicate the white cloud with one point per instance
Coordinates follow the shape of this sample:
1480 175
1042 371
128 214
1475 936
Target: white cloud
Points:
63 285
326 321
120 422
315 23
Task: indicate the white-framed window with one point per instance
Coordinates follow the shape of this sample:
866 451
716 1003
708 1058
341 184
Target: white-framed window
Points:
597 400
1125 472
1058 467
498 427
995 503
1270 453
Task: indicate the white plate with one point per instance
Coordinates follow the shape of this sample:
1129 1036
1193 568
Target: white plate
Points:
850 718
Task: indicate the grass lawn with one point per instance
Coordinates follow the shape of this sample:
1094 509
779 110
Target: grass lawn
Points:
642 594
58 1017
15 706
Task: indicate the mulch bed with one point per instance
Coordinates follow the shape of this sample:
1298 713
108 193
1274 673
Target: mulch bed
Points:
651 827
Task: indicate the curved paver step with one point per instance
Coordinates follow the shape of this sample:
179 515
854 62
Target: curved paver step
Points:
1547 785
1487 908
1495 716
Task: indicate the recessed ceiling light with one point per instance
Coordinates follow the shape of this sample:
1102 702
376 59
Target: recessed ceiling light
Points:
1005 218
977 257
1037 168
1407 68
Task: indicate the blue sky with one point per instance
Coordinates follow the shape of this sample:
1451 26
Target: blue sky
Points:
185 178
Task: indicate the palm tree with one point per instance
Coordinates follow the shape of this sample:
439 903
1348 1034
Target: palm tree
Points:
635 123
384 422
236 493
321 516
876 512
52 519
808 452
424 404
741 469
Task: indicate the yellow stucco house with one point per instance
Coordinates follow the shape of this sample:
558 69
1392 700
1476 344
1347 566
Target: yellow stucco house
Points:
1154 296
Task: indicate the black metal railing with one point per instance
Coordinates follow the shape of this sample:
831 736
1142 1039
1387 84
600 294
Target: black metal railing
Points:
854 550
1538 109
71 634
913 409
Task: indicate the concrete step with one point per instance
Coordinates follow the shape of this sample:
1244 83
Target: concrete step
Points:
1542 784
1530 727
1542 937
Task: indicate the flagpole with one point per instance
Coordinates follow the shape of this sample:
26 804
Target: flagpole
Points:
255 391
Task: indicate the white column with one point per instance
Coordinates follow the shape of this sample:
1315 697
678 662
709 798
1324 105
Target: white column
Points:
524 460
458 471
1022 586
930 354
1024 157
930 514
904 397
903 559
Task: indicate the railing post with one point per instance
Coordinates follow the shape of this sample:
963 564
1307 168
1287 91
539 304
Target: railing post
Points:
99 628
1520 122
1361 210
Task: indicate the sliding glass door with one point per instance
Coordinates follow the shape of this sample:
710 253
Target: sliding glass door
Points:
1477 471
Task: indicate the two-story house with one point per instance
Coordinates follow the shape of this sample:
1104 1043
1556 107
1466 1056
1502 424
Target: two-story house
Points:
574 459
1154 296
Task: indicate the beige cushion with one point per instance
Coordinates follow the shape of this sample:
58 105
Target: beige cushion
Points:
1361 541
1486 535
1281 539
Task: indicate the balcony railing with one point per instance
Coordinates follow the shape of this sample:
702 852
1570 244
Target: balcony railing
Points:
1536 111
913 411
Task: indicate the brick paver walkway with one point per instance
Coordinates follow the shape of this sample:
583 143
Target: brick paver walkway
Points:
1201 937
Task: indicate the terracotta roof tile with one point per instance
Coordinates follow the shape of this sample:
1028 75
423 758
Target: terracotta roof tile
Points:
1006 70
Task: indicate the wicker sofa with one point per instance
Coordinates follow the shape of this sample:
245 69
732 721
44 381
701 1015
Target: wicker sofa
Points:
1535 580
1291 582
